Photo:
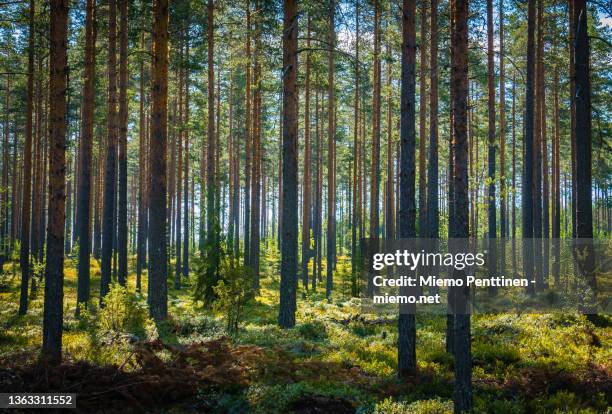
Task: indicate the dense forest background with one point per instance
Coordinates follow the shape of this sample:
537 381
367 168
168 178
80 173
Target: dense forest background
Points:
196 177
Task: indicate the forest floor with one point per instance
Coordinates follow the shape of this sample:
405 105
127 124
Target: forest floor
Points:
334 360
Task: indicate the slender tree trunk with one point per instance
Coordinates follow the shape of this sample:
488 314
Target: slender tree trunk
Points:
212 218
375 168
179 180
36 194
248 131
527 187
85 147
406 322
158 289
432 167
122 228
286 316
316 271
54 269
306 211
108 228
537 149
356 210
186 226
514 264
423 122
142 178
543 149
331 154
556 220
24 260
462 393
256 167
389 199
502 145
491 177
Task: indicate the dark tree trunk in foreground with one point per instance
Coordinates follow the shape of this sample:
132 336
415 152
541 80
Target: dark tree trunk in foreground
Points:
85 147
158 288
286 316
462 393
407 214
54 270
527 195
584 214
108 228
122 228
24 258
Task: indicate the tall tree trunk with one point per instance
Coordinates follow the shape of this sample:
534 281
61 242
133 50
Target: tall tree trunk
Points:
375 168
158 288
331 154
247 138
581 57
306 211
24 258
432 167
256 167
527 187
286 316
179 179
514 264
537 149
502 145
316 271
142 178
186 226
492 235
406 322
356 186
462 393
556 220
389 199
85 147
572 90
54 269
423 122
122 228
543 149
108 228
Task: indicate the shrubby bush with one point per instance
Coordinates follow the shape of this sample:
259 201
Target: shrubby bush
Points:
435 406
124 313
233 292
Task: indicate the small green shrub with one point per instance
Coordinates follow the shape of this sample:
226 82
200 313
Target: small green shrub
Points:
313 330
435 406
233 292
124 313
